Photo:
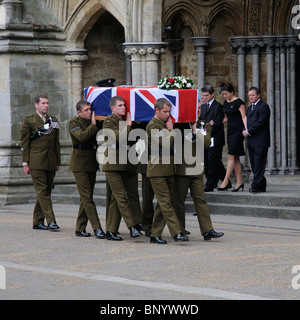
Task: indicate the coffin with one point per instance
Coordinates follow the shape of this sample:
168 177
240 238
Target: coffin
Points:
140 102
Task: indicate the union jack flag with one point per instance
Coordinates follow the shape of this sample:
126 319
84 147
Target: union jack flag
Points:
140 101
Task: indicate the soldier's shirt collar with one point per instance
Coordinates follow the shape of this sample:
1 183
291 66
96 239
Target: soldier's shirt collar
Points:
160 121
41 116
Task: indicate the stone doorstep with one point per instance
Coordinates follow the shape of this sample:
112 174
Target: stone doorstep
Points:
281 201
276 205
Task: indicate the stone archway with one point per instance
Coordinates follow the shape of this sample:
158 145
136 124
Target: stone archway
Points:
85 16
104 46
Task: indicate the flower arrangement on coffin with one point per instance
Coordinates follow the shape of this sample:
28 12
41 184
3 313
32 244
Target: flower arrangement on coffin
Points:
177 82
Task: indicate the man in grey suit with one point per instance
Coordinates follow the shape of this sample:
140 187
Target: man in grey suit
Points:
258 133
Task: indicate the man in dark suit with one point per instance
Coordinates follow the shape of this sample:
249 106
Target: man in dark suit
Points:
258 133
212 112
41 158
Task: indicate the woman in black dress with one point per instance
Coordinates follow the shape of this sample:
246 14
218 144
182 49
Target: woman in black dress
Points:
235 116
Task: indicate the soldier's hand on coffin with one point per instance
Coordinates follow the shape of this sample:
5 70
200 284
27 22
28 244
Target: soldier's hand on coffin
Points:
128 119
26 169
194 127
169 124
93 119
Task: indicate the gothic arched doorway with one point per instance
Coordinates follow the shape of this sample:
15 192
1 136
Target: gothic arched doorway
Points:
106 58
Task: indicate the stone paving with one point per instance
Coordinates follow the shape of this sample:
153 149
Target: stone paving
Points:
254 260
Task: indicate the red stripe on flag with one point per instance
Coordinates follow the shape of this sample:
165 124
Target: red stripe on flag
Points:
149 96
187 105
125 94
89 92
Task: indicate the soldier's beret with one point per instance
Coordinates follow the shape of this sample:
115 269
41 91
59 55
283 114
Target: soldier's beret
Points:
109 82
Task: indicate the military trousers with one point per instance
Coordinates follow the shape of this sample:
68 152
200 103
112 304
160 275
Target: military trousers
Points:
43 183
196 185
85 182
124 189
163 188
147 203
114 216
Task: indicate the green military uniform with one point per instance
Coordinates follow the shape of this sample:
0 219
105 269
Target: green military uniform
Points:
123 184
41 150
193 180
162 177
147 190
147 199
84 165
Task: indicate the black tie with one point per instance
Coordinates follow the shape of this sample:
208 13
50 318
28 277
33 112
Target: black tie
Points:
253 105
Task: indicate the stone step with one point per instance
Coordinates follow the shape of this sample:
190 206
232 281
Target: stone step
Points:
290 213
276 196
280 202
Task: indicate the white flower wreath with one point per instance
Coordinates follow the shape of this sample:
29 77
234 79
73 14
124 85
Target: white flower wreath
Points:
177 82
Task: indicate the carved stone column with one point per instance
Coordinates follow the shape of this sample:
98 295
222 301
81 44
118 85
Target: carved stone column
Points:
175 46
283 105
241 72
240 44
75 59
13 11
292 104
255 52
270 100
201 43
145 62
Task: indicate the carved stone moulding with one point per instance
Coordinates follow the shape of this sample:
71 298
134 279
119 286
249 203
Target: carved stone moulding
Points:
265 42
144 48
76 56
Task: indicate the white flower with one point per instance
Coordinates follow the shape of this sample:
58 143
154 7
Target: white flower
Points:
176 82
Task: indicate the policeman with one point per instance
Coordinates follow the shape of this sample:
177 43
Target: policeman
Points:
83 163
40 149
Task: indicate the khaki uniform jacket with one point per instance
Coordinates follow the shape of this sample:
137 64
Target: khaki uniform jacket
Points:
83 133
116 133
42 153
163 140
204 141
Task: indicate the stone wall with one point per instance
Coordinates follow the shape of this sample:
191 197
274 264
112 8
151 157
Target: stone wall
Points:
106 57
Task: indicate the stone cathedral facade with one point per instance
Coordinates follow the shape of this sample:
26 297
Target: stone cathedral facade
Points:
59 47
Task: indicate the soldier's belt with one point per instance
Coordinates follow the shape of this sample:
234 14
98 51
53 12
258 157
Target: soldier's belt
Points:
84 147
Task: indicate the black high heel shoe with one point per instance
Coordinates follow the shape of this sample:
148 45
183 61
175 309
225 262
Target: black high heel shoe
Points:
240 187
229 186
